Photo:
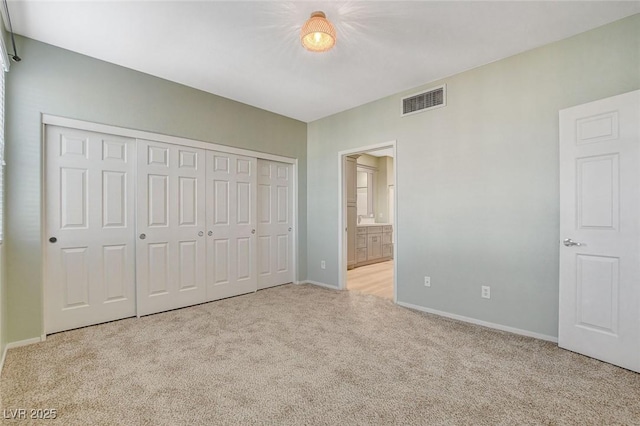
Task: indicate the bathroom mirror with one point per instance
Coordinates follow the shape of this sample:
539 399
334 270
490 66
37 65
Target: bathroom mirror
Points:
365 191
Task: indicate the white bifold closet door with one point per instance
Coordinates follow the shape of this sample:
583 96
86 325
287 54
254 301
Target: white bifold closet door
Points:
231 225
275 223
171 242
89 192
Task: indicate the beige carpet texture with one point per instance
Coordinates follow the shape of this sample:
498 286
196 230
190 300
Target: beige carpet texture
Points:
301 354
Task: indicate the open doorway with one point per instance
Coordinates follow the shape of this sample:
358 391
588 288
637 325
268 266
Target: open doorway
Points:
367 239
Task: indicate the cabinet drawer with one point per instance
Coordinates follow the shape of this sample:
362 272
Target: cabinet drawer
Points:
387 250
374 229
362 230
361 241
361 255
387 228
374 239
387 238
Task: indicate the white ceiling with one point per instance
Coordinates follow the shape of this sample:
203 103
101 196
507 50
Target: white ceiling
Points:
250 51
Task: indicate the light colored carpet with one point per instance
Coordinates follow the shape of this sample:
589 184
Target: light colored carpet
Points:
307 355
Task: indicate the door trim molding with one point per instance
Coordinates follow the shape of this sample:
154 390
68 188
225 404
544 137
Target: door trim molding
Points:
158 137
342 213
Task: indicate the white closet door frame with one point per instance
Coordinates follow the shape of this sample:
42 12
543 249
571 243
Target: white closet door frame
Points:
48 119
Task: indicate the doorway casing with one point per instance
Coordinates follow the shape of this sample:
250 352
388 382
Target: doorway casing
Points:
342 212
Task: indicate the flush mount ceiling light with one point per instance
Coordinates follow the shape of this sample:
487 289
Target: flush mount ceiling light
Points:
317 34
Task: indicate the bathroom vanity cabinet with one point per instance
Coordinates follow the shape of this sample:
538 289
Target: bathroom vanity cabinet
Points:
374 243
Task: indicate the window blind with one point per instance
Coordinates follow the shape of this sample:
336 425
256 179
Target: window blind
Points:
4 63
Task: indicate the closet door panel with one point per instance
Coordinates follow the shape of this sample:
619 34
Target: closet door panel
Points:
275 226
231 224
170 244
89 218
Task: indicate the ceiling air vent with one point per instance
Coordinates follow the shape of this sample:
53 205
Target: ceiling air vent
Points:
433 98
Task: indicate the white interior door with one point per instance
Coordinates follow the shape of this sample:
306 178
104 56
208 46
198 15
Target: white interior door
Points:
170 244
600 230
90 271
231 225
275 223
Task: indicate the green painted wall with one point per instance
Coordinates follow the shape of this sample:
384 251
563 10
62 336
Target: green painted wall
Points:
477 180
477 190
55 81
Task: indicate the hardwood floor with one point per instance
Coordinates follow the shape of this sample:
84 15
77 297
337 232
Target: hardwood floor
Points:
376 279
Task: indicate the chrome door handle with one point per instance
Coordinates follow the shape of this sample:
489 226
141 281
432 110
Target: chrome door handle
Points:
210 233
200 234
253 231
290 229
570 243
143 236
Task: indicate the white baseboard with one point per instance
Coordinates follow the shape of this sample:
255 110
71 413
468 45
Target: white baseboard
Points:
26 342
332 287
17 344
480 322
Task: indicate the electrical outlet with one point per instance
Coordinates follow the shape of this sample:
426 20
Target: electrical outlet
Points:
427 281
323 264
486 292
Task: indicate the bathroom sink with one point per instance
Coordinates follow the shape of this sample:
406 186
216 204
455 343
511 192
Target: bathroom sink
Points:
367 221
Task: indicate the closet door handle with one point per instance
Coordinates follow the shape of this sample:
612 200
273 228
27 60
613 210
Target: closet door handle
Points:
253 231
200 234
143 236
210 233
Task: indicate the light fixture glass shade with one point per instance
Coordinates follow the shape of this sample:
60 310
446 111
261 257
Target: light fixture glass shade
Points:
317 34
